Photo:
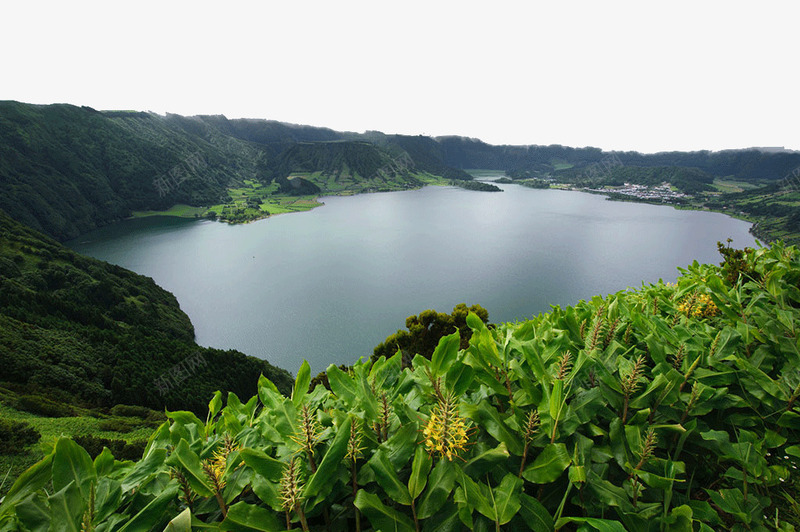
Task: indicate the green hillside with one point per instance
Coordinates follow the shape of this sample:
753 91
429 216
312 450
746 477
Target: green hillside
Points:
666 408
73 329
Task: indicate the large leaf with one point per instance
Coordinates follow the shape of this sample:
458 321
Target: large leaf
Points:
535 515
386 476
66 508
244 517
444 354
380 516
32 480
342 384
180 523
549 465
301 383
489 419
320 482
506 498
262 463
144 470
600 525
440 485
71 463
151 514
189 463
420 468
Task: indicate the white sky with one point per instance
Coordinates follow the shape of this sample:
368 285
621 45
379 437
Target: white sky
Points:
642 75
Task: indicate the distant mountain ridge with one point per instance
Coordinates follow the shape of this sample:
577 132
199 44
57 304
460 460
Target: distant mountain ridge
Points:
65 170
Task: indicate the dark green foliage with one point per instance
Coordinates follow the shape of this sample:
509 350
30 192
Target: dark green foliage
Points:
104 335
476 185
735 264
16 435
42 406
426 329
121 425
136 411
121 449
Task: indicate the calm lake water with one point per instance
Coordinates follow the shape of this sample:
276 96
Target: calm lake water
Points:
330 284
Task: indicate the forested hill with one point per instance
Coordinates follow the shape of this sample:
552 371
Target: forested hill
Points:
65 170
75 328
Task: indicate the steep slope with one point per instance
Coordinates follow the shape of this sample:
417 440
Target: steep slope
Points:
348 166
65 170
103 334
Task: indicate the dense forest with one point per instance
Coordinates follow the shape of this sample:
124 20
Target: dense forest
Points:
74 328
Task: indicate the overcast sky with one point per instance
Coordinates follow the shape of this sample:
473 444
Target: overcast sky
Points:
638 75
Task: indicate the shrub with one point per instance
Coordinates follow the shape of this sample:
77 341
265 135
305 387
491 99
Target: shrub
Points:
131 411
16 435
118 425
36 404
121 449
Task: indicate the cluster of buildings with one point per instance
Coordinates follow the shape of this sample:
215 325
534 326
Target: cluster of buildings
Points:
662 192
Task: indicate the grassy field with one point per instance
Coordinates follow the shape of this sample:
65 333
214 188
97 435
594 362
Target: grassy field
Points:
85 423
727 186
181 211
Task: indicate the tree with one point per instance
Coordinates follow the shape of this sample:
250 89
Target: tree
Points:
426 329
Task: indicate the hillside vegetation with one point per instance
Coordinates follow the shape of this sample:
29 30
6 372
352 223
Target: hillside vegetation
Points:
669 407
75 329
65 170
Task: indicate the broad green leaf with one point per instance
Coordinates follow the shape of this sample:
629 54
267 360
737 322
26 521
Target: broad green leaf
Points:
401 445
549 465
506 498
489 419
71 463
215 405
387 478
607 493
181 523
341 384
445 520
66 508
263 464
459 377
484 462
444 354
144 470
535 515
268 392
382 517
440 485
108 497
34 513
104 463
420 468
33 479
244 517
556 398
600 525
477 495
189 463
151 514
320 482
301 383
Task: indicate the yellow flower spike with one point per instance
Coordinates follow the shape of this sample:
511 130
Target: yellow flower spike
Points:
446 431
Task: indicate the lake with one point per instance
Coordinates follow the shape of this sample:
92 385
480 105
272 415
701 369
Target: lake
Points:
330 284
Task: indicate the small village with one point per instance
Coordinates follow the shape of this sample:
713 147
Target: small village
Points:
662 192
